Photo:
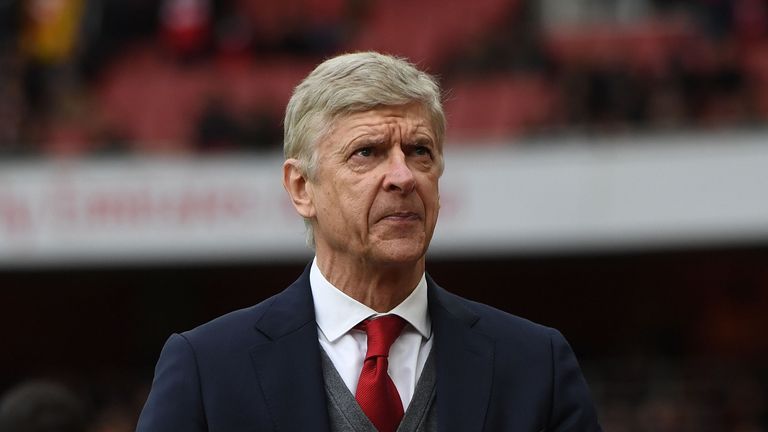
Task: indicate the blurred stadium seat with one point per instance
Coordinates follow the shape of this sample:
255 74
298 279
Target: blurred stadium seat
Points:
499 107
681 66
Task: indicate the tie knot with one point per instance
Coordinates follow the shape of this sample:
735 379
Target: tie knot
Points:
382 333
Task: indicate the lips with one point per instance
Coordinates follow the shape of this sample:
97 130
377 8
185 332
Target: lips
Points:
402 216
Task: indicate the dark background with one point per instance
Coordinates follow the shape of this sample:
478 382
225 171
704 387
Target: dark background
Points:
79 324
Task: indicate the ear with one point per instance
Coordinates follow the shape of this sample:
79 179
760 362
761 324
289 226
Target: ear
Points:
298 188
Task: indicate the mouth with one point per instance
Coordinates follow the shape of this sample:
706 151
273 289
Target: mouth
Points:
403 216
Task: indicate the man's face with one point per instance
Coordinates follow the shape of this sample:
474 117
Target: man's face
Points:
375 193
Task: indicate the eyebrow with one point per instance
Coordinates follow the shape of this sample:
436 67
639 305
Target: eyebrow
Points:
364 141
368 141
421 139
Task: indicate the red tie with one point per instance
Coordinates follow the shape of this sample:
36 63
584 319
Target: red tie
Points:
376 393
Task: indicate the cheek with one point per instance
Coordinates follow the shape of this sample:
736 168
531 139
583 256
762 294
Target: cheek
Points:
353 204
431 196
433 210
362 196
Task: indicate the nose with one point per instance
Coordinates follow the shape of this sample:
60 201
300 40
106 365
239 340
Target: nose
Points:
399 177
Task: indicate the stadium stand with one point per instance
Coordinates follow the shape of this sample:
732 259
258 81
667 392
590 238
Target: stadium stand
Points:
674 68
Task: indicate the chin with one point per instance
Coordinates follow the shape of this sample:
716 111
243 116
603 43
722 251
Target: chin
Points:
400 251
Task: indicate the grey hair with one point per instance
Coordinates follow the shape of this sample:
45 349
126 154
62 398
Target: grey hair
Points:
347 84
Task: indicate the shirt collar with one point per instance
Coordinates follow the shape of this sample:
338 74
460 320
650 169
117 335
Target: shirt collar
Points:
337 313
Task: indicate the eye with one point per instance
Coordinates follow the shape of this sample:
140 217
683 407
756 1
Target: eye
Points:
364 152
422 151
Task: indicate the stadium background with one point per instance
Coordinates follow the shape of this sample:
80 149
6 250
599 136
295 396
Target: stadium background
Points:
606 175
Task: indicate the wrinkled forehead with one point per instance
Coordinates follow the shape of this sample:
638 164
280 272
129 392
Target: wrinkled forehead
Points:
412 119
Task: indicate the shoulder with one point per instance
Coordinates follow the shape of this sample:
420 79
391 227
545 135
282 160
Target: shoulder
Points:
234 329
232 321
532 364
493 322
516 339
253 325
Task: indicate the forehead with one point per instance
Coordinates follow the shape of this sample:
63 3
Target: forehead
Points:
406 119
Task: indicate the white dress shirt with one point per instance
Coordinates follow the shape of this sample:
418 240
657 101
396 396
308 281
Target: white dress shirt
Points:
337 314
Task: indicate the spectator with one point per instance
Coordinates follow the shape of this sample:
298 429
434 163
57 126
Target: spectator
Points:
42 406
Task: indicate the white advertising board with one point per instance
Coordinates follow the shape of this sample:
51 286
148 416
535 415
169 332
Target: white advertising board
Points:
566 197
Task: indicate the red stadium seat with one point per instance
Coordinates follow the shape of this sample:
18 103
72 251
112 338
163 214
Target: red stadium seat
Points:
499 107
426 32
644 45
157 101
755 63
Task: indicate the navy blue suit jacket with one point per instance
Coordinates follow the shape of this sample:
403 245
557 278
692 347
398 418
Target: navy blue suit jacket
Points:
258 369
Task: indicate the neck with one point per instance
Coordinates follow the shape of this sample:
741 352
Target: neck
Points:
380 286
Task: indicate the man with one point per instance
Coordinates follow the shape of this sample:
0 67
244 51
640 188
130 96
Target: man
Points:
364 340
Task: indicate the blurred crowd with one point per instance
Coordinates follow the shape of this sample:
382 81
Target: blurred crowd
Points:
642 394
51 405
116 76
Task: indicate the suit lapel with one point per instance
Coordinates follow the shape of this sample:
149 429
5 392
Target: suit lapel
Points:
464 363
288 365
